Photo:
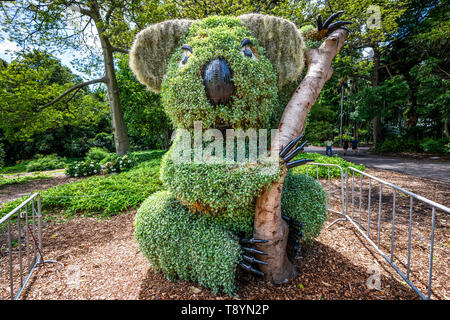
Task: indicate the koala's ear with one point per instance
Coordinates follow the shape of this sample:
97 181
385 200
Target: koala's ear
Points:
283 43
151 49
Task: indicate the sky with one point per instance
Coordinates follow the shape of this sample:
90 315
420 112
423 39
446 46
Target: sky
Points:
8 50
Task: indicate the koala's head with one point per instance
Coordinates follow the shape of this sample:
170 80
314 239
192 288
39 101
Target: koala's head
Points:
222 71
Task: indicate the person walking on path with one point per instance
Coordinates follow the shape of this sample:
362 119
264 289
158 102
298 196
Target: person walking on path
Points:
329 145
345 147
355 146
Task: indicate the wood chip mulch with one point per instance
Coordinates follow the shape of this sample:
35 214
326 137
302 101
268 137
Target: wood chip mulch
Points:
100 259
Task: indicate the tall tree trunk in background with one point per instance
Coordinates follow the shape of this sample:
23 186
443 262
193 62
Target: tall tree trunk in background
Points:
376 121
118 124
446 130
268 222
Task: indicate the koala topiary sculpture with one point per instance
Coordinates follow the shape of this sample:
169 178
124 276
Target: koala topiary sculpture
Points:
223 73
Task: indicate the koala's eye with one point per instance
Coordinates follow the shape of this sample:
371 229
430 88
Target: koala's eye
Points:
246 50
187 52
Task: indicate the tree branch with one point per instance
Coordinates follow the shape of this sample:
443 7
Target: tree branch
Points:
319 71
117 49
75 87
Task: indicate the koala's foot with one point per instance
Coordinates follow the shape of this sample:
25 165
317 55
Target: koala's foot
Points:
249 259
325 28
288 154
295 238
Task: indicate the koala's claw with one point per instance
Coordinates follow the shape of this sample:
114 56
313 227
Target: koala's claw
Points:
253 250
252 259
287 153
252 241
325 28
295 237
248 267
249 259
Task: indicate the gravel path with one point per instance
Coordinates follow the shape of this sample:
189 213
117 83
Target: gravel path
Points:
423 168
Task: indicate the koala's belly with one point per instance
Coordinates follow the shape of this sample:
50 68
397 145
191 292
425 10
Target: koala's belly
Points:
217 187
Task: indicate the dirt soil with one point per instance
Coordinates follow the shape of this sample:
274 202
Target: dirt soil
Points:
11 192
99 259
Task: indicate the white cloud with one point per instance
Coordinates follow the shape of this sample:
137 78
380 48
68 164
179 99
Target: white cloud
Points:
8 49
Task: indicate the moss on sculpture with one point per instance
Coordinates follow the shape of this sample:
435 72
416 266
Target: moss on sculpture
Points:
184 245
255 91
190 231
305 200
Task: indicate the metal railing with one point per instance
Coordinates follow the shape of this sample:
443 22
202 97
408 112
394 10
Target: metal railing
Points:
24 241
371 226
362 221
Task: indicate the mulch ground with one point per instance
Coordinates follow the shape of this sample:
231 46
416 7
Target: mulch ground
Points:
99 259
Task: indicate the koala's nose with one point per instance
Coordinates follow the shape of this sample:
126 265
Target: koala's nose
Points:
218 83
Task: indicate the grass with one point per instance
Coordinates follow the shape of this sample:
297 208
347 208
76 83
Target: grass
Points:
102 195
323 170
19 180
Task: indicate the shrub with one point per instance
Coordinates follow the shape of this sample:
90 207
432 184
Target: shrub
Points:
323 171
147 155
49 162
116 164
305 200
186 245
433 145
390 145
97 154
83 168
103 140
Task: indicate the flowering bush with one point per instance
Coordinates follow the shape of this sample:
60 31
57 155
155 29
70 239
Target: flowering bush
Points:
83 169
119 163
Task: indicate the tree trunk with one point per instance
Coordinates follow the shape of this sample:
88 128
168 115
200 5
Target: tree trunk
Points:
446 131
376 121
118 124
268 223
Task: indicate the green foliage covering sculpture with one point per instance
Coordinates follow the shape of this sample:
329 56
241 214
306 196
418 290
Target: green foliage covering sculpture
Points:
201 228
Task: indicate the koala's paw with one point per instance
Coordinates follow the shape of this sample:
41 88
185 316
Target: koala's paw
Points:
325 28
295 238
288 153
248 260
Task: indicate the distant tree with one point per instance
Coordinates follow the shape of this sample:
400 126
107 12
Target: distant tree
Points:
31 80
63 24
147 124
375 22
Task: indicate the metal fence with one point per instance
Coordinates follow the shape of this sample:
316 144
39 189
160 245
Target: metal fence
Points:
22 228
386 216
397 208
